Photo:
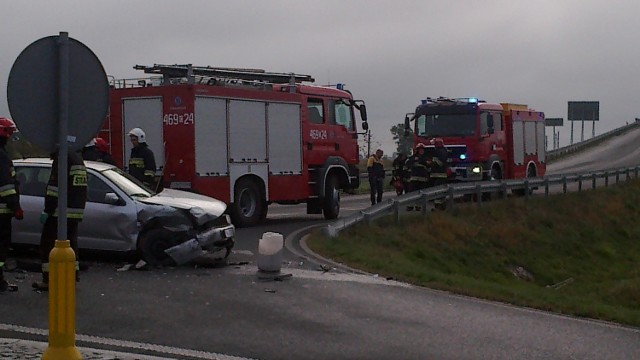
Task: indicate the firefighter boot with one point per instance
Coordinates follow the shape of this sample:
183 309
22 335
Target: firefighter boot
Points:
5 285
44 285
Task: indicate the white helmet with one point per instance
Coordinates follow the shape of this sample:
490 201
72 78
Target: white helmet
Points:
91 143
139 133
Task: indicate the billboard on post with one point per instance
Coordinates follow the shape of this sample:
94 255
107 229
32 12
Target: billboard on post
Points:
553 121
584 111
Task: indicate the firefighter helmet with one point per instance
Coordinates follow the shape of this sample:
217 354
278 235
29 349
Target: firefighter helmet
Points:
7 127
437 142
420 145
101 145
137 132
91 143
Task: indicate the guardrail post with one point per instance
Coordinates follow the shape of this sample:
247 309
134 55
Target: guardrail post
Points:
564 184
526 189
593 181
396 211
546 187
479 195
449 197
425 202
579 183
606 179
617 176
503 185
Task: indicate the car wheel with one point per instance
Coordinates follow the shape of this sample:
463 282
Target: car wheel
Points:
248 206
331 203
153 243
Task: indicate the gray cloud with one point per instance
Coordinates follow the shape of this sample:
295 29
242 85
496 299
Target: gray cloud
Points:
389 53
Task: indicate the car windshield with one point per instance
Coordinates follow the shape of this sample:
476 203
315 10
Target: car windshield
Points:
446 125
127 183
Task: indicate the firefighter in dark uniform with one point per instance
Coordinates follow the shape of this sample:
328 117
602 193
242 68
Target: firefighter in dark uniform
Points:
419 173
400 174
142 163
9 200
95 150
76 199
438 163
103 150
375 167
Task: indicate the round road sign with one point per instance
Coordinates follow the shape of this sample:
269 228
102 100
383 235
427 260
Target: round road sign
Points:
33 93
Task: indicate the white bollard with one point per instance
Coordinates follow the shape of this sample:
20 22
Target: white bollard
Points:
270 249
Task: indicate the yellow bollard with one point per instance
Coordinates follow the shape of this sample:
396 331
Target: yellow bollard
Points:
62 304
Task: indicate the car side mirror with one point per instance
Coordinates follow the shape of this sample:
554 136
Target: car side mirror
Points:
365 126
112 199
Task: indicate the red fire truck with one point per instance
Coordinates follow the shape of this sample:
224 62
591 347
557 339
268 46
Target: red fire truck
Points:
485 141
245 136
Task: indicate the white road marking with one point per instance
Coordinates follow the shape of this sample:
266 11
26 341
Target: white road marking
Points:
181 353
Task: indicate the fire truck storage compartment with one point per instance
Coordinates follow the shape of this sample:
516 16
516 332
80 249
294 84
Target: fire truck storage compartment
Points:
530 137
285 139
518 142
247 131
541 146
211 136
144 113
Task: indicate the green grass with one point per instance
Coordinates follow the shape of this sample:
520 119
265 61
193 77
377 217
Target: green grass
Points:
589 241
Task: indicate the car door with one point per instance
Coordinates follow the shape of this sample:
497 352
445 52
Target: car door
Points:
107 226
33 180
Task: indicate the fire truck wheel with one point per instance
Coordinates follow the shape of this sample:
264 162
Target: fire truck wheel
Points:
331 204
152 245
248 205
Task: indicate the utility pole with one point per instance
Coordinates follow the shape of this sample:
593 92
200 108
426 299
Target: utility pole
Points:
368 144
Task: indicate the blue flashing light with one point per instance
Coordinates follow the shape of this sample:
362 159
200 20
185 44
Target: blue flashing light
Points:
423 102
340 86
463 156
473 100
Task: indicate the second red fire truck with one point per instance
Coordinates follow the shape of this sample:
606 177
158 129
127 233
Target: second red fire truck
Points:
245 136
485 141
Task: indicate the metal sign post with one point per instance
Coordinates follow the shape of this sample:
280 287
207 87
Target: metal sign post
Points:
57 84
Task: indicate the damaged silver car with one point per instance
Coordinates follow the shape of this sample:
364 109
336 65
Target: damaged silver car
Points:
167 228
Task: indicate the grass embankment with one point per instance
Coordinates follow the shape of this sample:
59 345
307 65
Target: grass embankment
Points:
582 251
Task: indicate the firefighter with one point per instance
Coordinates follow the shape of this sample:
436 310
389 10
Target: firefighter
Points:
103 149
419 172
9 199
142 163
76 199
438 163
400 174
90 152
376 176
96 150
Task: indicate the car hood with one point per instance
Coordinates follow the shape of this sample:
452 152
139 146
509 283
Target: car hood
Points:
203 208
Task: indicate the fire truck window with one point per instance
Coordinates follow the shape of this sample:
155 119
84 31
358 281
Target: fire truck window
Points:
497 122
341 114
315 111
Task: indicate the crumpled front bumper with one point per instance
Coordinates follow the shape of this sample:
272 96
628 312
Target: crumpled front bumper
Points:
212 239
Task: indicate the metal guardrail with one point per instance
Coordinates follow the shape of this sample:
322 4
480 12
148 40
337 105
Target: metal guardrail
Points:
448 193
553 154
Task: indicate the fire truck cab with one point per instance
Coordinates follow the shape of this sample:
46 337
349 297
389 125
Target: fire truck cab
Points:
245 136
485 141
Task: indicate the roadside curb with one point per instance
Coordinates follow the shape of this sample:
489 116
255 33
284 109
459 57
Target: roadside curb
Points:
300 236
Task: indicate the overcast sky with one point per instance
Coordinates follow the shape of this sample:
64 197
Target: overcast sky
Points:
389 53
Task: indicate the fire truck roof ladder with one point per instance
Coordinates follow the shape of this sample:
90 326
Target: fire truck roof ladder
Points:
189 71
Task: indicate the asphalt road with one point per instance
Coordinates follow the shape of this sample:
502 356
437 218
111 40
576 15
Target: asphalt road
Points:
215 313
